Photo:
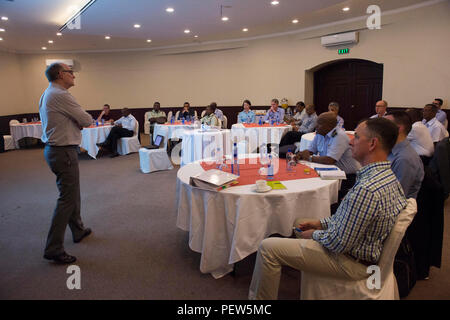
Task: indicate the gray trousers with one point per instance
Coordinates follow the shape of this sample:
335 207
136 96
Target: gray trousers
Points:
63 161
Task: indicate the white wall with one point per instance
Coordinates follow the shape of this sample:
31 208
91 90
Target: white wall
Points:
412 45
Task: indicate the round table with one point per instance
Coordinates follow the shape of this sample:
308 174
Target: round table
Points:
252 136
171 131
227 226
92 135
23 130
308 138
201 144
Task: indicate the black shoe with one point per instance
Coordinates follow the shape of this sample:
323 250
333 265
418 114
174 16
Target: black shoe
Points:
113 155
101 145
62 258
86 232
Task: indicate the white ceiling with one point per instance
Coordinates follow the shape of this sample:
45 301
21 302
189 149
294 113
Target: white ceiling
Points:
31 23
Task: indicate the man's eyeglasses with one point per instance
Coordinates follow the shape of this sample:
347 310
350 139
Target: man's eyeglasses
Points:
69 71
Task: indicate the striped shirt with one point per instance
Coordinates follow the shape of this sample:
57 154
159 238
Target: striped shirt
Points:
366 216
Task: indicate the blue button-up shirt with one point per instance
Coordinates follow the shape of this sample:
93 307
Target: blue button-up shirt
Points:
407 167
246 117
340 122
366 215
275 116
219 114
336 145
308 124
441 116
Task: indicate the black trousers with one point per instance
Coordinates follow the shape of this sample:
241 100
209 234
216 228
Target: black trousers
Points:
115 134
291 138
63 161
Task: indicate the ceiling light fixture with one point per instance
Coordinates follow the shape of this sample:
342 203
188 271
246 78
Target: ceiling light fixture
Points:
50 41
295 21
59 34
187 31
137 26
5 18
149 40
170 10
77 14
44 48
1 39
2 30
245 29
346 9
274 3
225 19
196 36
107 37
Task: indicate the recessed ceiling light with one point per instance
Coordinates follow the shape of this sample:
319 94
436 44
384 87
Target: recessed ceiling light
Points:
5 18
196 36
137 26
107 37
1 39
346 9
187 31
225 19
170 9
44 48
149 40
295 21
2 30
59 34
274 3
50 41
245 29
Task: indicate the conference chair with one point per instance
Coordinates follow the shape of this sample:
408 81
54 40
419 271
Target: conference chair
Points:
169 116
128 145
316 287
147 122
224 122
9 142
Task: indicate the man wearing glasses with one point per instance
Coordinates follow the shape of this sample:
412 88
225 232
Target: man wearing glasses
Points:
62 119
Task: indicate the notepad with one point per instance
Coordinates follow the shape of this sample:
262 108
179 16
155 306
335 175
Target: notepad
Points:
332 175
276 185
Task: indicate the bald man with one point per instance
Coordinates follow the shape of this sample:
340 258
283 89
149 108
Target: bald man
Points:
380 108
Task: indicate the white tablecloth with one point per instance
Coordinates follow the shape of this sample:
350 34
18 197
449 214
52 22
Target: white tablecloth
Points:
93 135
198 144
308 138
256 136
227 226
169 131
23 130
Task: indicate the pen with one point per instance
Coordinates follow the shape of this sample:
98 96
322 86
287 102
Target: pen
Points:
297 229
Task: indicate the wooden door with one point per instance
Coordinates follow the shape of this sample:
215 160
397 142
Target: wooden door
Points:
355 84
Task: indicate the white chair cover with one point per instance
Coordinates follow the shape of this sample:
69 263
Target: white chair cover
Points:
169 115
314 287
147 122
131 144
177 116
203 113
13 121
224 122
9 142
154 160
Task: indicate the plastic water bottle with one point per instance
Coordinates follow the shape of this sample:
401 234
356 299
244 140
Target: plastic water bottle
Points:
270 168
235 163
171 120
218 159
103 122
290 161
260 121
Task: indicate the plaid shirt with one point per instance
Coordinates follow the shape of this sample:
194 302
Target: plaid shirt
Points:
366 216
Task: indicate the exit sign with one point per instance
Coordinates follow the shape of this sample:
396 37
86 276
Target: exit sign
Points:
344 51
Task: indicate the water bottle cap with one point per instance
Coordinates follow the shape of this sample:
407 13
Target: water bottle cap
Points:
289 150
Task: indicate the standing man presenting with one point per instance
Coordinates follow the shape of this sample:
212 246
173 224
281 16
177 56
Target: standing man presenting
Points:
62 119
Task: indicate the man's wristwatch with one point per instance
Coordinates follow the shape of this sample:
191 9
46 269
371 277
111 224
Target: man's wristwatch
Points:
310 158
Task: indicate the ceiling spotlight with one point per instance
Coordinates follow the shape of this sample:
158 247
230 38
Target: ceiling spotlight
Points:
274 3
2 30
137 26
107 37
44 48
149 40
170 10
346 9
225 19
1 39
187 31
50 41
196 36
245 29
5 18
295 21
59 34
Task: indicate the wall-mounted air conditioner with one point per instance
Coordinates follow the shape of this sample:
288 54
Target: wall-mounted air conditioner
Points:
339 39
69 62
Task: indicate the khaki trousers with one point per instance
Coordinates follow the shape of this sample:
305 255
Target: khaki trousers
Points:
301 254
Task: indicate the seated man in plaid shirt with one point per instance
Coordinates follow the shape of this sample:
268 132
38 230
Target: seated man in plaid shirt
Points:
344 244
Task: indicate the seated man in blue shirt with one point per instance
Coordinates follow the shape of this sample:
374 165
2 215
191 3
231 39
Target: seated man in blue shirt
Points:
247 115
124 127
405 162
275 113
343 245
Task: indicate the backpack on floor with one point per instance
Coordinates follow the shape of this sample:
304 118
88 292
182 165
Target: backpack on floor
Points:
405 268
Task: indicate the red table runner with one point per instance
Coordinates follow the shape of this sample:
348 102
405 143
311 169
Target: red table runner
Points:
249 171
35 122
100 125
265 125
177 123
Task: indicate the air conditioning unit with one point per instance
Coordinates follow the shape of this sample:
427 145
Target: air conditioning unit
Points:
339 39
69 62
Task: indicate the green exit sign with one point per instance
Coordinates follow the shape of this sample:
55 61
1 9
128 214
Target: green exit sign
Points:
344 51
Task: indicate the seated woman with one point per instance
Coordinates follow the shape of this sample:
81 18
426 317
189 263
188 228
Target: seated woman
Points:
210 119
246 116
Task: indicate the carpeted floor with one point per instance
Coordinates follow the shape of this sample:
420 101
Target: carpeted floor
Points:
135 251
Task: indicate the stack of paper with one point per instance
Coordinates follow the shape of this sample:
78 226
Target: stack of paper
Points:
214 180
332 174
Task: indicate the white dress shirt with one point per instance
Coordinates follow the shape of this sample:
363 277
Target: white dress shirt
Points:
420 139
128 122
436 129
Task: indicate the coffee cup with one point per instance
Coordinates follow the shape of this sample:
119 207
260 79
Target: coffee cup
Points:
261 185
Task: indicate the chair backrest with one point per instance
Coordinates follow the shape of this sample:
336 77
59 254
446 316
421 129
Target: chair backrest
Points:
392 243
220 123
169 115
136 129
13 121
177 115
446 123
195 114
147 116
203 113
224 122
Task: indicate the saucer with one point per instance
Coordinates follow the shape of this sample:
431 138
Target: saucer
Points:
267 188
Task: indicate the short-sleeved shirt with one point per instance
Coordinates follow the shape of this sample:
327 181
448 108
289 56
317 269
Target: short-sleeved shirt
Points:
246 117
336 145
420 139
309 123
277 116
340 122
437 130
441 116
210 120
407 167
219 114
128 122
156 114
